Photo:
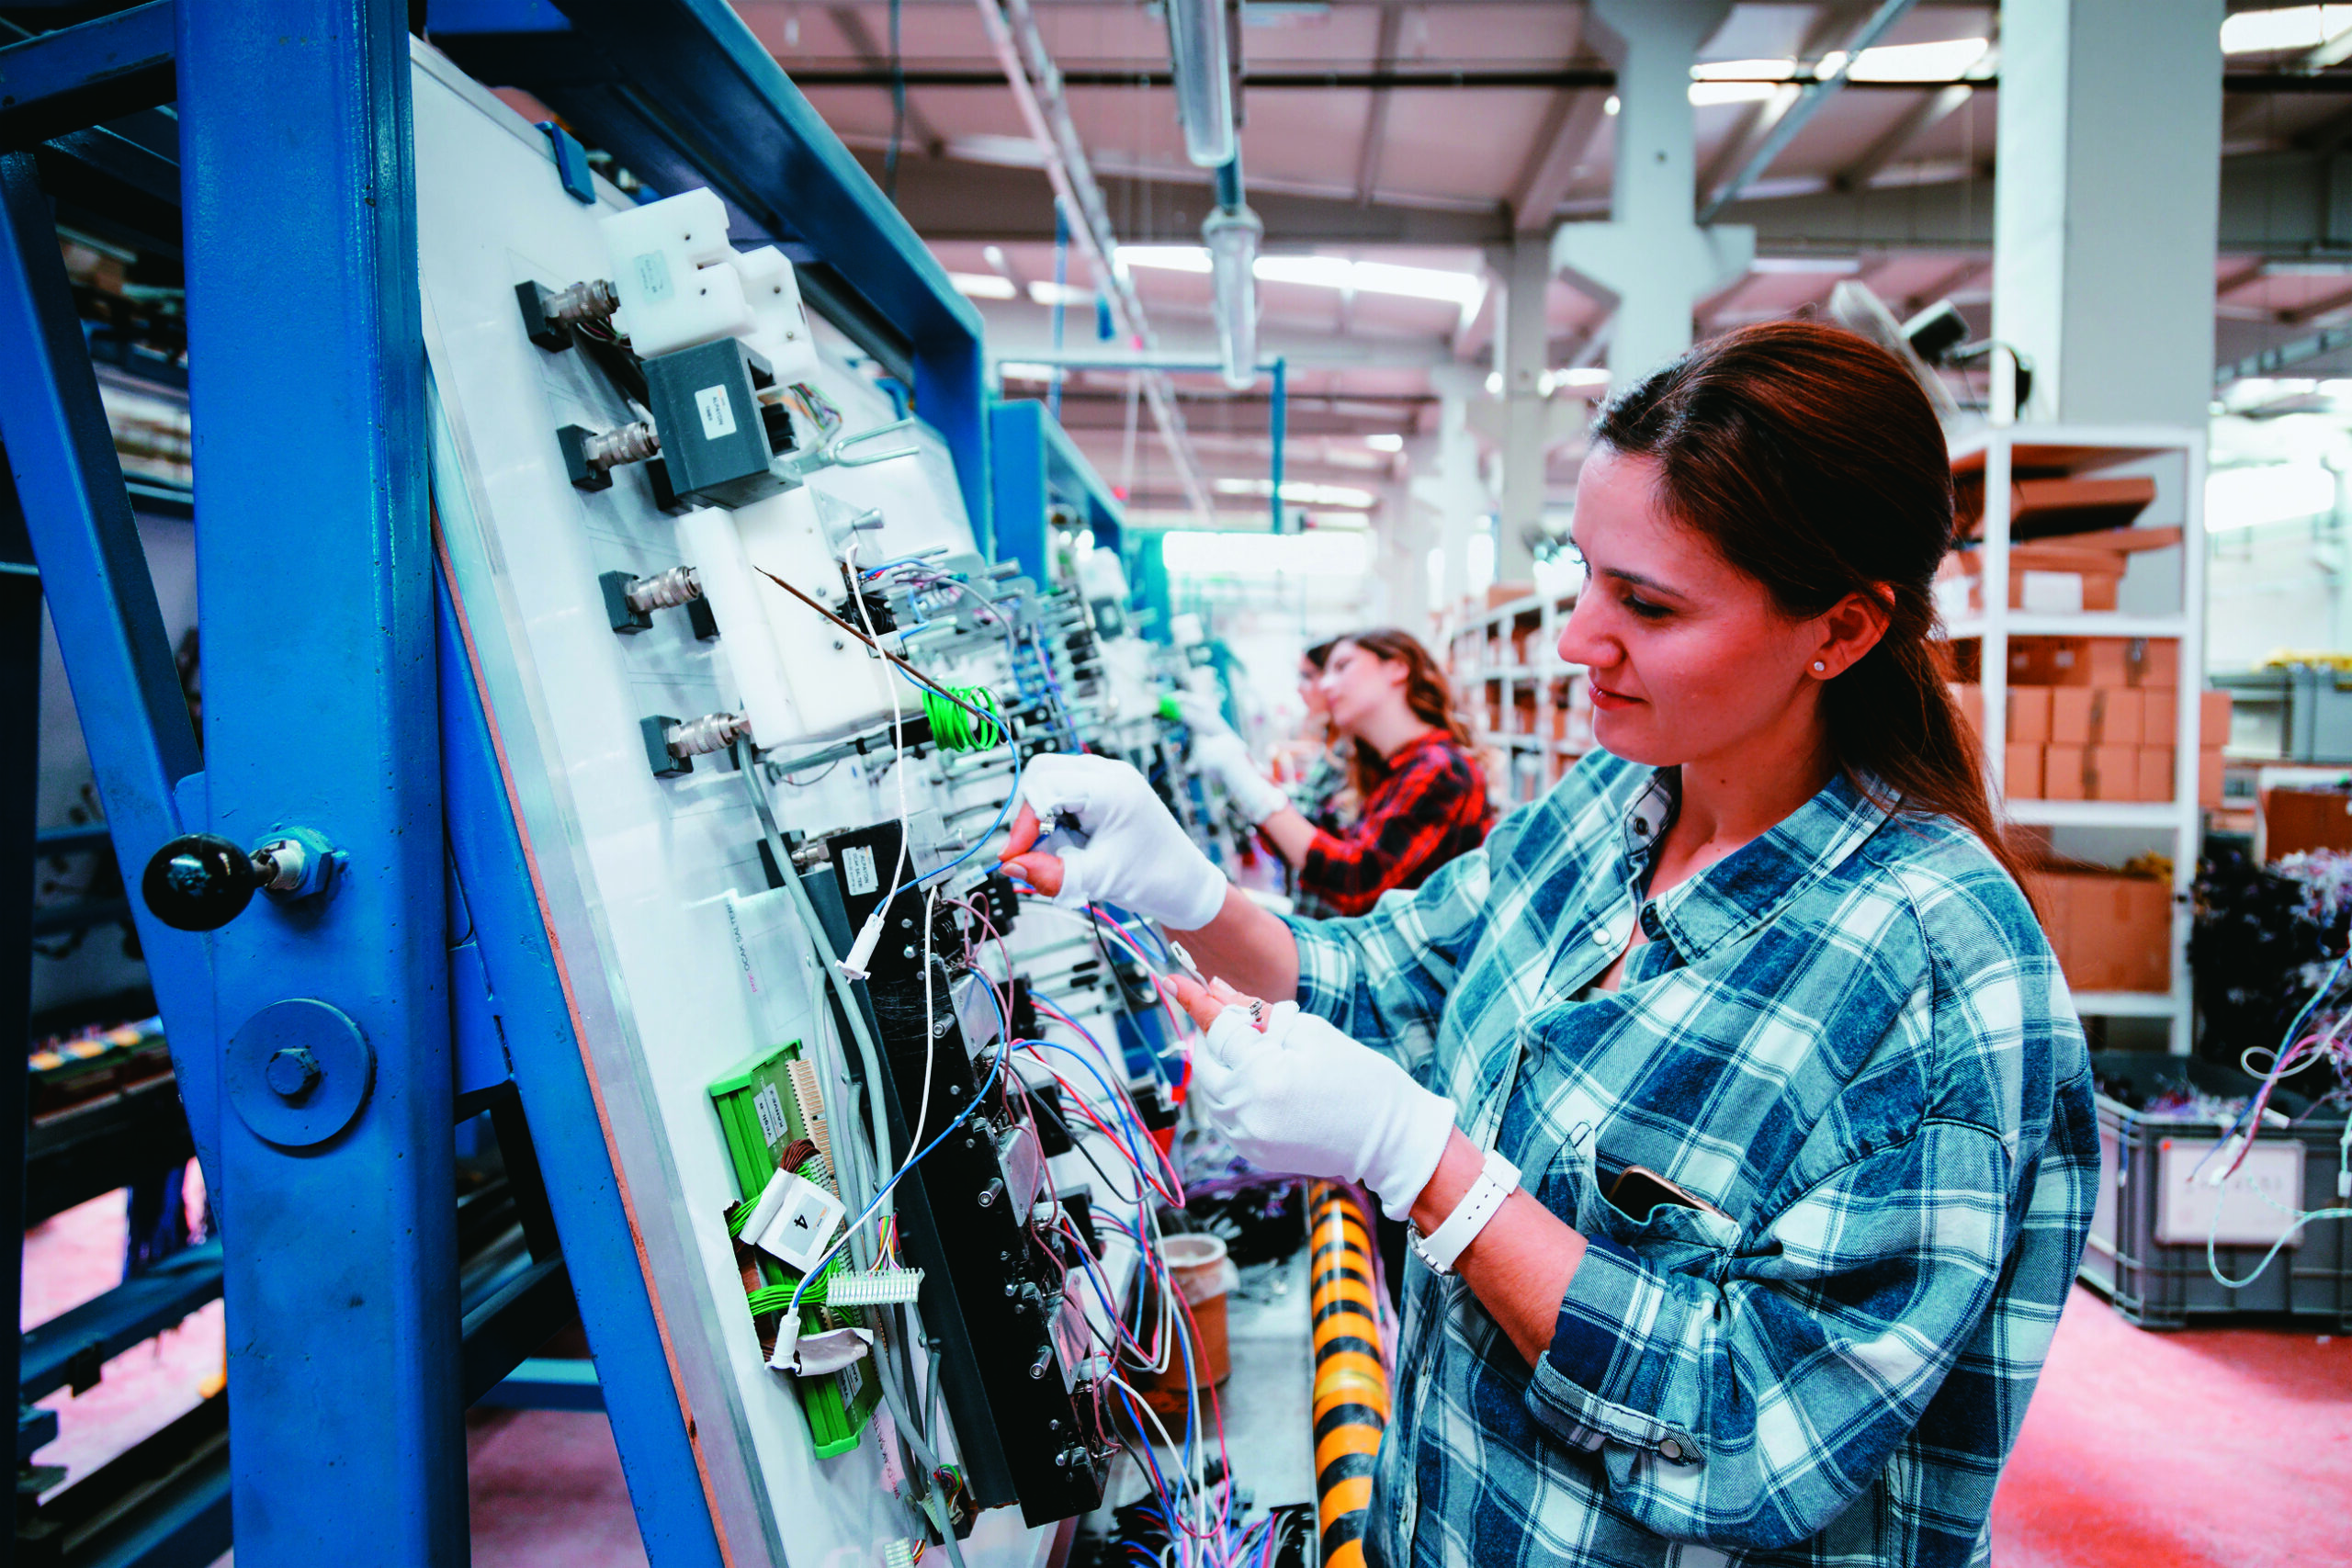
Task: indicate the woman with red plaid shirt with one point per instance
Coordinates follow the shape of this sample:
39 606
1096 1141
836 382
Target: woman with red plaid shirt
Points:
1423 793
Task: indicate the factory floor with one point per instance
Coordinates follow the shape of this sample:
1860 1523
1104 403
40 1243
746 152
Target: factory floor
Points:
2210 1449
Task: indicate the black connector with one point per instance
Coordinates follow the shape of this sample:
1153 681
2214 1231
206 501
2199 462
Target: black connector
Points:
657 749
626 621
551 335
573 440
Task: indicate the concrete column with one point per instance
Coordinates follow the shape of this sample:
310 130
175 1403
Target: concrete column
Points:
1520 354
1401 561
1651 254
2106 206
1448 486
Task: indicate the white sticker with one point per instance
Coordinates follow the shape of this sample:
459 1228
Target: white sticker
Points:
653 275
797 1226
770 1105
858 870
718 412
851 1380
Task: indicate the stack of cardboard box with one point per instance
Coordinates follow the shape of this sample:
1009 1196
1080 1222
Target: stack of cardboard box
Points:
2093 718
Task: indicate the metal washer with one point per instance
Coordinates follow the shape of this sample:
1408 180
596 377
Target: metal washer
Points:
346 1071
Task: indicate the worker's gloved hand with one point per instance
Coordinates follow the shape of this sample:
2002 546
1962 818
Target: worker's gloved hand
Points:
1134 855
1202 714
1301 1097
1226 759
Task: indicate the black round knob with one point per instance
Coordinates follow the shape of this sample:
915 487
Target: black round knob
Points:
200 881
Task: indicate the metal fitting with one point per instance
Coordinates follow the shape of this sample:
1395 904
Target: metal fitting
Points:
679 585
292 1073
628 444
711 732
593 300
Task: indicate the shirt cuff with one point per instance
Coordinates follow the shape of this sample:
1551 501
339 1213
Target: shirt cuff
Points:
1326 969
1602 1379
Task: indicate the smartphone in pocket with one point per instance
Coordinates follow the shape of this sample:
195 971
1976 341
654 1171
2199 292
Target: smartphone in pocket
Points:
1638 1191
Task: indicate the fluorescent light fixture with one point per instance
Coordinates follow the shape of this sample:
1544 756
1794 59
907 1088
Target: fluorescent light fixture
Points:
1803 266
1385 442
2290 26
2270 492
1232 236
1022 370
1918 62
1196 48
1463 290
1743 70
1582 375
1612 105
1331 552
983 286
1705 94
1167 258
1063 294
1494 383
1298 493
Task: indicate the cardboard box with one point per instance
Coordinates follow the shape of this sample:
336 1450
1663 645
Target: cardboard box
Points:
2298 819
2209 777
2111 932
2029 709
2119 661
2022 768
1969 699
2111 772
2095 715
2156 773
2213 719
2063 505
2062 773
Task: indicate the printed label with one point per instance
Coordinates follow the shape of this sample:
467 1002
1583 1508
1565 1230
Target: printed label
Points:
718 412
851 1382
653 275
770 1105
858 870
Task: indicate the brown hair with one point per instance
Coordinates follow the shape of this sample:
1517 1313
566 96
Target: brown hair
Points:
1427 693
1811 461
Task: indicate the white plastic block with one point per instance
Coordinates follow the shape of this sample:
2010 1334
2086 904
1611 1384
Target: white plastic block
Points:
781 335
715 550
836 685
674 272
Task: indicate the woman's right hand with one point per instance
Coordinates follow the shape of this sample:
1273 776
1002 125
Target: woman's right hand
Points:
1135 854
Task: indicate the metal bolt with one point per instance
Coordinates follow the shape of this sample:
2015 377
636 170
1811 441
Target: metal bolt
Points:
990 1193
1043 1364
939 1030
292 1073
908 951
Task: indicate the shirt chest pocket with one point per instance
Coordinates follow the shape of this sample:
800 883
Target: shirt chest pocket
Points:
1671 1236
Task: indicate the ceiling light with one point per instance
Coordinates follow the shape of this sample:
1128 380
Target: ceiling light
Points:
1803 266
1462 288
1190 552
2272 492
1168 258
1583 375
1317 272
1612 106
1022 370
1706 94
1743 70
1298 493
1385 442
1062 294
982 286
2291 27
1494 383
1918 62
994 256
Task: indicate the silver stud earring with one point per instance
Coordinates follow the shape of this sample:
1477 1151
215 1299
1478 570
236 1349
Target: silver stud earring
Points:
1818 667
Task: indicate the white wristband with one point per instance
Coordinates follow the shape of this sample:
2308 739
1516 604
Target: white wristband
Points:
1498 1180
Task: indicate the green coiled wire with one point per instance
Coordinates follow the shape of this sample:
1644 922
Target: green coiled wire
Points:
961 729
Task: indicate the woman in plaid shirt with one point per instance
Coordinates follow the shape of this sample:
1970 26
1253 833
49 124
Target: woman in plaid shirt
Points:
1734 1095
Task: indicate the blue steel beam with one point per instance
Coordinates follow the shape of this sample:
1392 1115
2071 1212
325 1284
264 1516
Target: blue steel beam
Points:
19 799
79 75
592 1216
102 602
315 561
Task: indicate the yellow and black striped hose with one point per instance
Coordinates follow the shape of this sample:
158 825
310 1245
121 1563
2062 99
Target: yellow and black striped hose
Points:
1350 1400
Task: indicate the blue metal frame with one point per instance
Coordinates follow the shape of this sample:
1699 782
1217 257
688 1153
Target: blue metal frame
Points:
1033 464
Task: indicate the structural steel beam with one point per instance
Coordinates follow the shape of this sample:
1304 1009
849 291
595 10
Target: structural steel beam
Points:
82 74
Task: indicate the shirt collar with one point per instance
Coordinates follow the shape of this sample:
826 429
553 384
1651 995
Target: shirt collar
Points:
1748 887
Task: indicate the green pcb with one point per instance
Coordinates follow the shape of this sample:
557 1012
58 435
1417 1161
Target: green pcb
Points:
759 1114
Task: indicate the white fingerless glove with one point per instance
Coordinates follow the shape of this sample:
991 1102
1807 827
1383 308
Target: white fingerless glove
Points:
1202 714
1304 1098
1226 759
1135 854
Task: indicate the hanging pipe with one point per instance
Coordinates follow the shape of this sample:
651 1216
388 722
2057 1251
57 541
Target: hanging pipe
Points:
1350 1398
1231 233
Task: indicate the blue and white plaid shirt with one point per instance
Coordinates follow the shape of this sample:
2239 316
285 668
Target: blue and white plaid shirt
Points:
1848 1036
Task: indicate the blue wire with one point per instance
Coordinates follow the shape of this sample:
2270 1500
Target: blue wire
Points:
1002 812
1142 1136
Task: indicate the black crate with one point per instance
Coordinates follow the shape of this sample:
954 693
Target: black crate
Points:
2163 1283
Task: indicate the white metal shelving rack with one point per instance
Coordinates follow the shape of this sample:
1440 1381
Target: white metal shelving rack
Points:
1473 632
1998 452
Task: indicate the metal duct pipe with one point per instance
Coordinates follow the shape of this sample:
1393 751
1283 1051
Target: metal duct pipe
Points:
1202 66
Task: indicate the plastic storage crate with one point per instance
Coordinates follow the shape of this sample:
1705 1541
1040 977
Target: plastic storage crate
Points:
2148 1232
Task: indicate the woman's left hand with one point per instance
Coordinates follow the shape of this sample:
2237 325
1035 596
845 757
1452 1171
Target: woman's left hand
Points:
1292 1093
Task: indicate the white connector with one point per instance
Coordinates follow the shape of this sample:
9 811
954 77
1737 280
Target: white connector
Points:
886 1287
861 951
2224 1161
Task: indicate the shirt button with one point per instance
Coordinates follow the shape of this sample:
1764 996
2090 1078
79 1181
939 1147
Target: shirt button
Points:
1650 924
1601 937
1669 1449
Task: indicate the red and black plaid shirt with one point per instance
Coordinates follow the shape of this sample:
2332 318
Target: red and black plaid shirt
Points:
1432 808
